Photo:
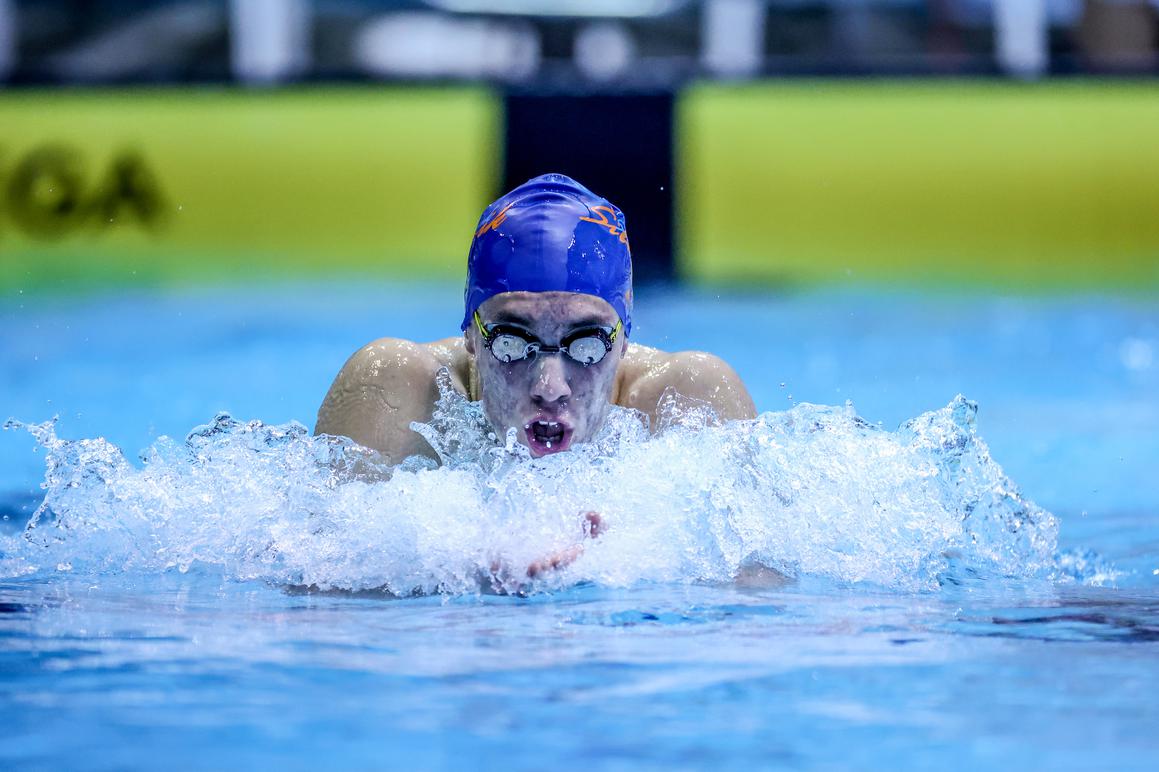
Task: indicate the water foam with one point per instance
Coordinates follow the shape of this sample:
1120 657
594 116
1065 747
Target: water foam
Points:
812 490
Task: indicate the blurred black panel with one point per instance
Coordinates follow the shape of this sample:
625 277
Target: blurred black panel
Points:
619 145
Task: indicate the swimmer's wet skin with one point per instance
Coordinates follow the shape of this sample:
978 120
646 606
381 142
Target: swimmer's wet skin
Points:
547 317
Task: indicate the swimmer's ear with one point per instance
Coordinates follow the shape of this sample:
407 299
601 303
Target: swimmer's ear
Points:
624 346
469 341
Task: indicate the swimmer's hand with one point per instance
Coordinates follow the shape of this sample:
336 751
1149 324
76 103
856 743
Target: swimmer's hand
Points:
564 558
503 583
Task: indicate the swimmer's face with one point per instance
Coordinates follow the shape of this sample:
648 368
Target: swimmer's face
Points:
550 400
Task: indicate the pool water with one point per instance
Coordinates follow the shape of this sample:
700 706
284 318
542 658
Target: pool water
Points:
146 616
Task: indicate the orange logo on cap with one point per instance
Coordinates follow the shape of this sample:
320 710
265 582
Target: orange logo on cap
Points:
603 212
495 222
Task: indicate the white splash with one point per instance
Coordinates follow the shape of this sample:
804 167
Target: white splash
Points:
813 490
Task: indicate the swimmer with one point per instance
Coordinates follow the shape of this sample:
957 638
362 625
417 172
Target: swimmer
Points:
545 344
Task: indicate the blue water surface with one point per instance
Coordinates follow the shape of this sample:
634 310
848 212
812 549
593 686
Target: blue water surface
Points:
109 668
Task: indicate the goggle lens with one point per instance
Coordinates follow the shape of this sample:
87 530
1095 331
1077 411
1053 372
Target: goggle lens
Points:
509 348
585 347
587 350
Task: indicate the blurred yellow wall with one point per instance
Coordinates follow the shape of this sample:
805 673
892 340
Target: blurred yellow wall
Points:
184 183
949 182
1018 185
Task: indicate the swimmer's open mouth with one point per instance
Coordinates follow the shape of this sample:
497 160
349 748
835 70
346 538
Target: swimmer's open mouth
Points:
547 436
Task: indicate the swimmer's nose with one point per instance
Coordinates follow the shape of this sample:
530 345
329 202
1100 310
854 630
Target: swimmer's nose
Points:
550 384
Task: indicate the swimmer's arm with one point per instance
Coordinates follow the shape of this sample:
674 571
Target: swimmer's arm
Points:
380 390
695 375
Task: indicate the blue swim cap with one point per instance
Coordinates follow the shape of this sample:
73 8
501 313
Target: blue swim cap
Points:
551 234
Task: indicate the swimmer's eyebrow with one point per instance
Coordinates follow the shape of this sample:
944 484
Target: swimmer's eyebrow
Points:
510 317
590 321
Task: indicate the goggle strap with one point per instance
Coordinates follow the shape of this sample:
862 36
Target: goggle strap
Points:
479 324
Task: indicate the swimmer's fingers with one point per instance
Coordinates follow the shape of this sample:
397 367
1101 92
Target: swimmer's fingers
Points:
555 561
593 524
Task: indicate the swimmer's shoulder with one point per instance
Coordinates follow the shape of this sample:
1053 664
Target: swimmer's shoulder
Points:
389 360
646 373
384 386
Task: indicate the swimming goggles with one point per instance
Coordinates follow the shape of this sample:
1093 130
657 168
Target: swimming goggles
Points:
586 346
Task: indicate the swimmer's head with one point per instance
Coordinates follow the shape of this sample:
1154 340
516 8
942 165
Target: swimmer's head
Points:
551 234
548 310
